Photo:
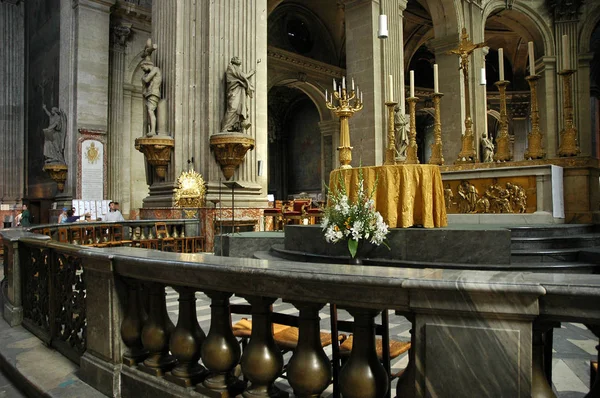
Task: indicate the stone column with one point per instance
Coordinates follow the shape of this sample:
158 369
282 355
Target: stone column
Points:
193 57
330 135
548 105
12 101
118 40
393 50
584 121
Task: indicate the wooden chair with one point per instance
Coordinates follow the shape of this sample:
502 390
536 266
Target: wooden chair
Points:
89 235
295 211
63 235
116 232
76 235
167 243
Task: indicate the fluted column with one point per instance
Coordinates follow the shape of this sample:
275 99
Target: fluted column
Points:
119 36
12 97
330 137
393 49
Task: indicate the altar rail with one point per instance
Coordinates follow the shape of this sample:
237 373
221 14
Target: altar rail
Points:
475 333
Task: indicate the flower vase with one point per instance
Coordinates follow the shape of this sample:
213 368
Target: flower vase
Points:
363 249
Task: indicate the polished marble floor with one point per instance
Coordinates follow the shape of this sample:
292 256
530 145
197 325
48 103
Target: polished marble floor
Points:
574 344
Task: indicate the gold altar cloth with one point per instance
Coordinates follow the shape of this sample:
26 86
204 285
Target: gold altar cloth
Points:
406 195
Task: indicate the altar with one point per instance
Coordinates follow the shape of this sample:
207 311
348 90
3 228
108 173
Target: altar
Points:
406 195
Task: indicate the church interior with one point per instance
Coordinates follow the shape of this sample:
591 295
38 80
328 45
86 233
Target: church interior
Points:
272 198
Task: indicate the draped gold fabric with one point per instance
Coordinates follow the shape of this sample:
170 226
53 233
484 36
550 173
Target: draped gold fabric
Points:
405 195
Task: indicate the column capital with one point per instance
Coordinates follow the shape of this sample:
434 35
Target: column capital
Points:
564 10
119 33
12 2
101 5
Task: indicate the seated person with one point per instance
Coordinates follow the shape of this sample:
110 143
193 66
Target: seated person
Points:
70 217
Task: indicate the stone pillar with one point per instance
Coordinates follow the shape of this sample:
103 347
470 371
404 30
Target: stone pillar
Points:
193 57
452 105
84 56
393 51
548 105
364 63
330 136
12 101
584 121
116 156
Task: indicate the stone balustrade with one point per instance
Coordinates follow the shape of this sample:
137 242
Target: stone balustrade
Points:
475 333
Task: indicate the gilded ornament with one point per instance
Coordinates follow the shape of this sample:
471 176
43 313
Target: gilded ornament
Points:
411 151
157 151
92 154
229 150
495 198
437 156
568 135
503 140
58 173
190 190
534 138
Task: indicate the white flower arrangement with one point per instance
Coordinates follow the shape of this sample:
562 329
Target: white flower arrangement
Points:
356 220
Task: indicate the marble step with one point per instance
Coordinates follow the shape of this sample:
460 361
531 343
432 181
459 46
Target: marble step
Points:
531 231
544 255
555 242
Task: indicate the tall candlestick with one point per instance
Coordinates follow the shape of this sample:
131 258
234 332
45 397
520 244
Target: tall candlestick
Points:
391 88
501 63
565 52
412 83
436 86
531 58
483 80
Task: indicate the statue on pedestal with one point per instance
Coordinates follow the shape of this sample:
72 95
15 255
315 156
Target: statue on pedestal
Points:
488 149
401 133
54 136
238 88
151 81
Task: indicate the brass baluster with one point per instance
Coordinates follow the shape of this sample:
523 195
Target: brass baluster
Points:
186 342
405 386
220 351
539 384
363 375
131 327
156 333
309 370
262 360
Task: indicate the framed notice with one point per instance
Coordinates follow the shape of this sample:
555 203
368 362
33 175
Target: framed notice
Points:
92 164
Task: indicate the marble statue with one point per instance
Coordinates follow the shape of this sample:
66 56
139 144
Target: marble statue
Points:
151 81
401 133
54 136
238 88
488 149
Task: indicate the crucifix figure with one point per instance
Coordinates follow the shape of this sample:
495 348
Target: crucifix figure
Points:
464 50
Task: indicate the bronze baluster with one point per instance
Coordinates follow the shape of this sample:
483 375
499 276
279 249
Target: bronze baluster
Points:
186 342
262 360
309 370
363 376
405 387
539 384
133 322
595 388
156 333
220 351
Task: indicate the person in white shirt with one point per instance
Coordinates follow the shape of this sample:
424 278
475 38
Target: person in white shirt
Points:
113 213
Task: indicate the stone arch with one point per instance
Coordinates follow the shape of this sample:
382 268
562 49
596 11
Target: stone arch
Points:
133 68
446 16
313 90
545 37
588 27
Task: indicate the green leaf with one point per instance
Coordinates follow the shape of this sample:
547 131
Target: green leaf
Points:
353 247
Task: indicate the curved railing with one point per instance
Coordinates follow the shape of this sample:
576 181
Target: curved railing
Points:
475 333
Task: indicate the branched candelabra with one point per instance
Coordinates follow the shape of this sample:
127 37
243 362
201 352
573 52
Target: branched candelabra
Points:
503 140
534 138
347 105
568 135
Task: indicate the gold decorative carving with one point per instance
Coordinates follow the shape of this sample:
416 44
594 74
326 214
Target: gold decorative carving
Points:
465 49
58 173
390 152
491 195
568 135
534 138
157 151
230 150
190 190
348 103
437 156
411 151
503 140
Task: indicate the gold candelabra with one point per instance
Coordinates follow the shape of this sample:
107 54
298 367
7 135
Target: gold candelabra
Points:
502 140
534 138
436 148
348 104
411 151
568 135
465 49
390 153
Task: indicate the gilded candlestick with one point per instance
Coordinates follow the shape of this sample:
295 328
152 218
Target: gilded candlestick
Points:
411 151
348 104
568 135
436 148
390 152
502 140
534 138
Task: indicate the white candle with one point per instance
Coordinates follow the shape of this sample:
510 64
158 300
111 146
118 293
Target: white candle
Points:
343 82
531 58
483 81
361 98
565 52
334 85
436 86
352 84
391 88
501 63
326 96
412 83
